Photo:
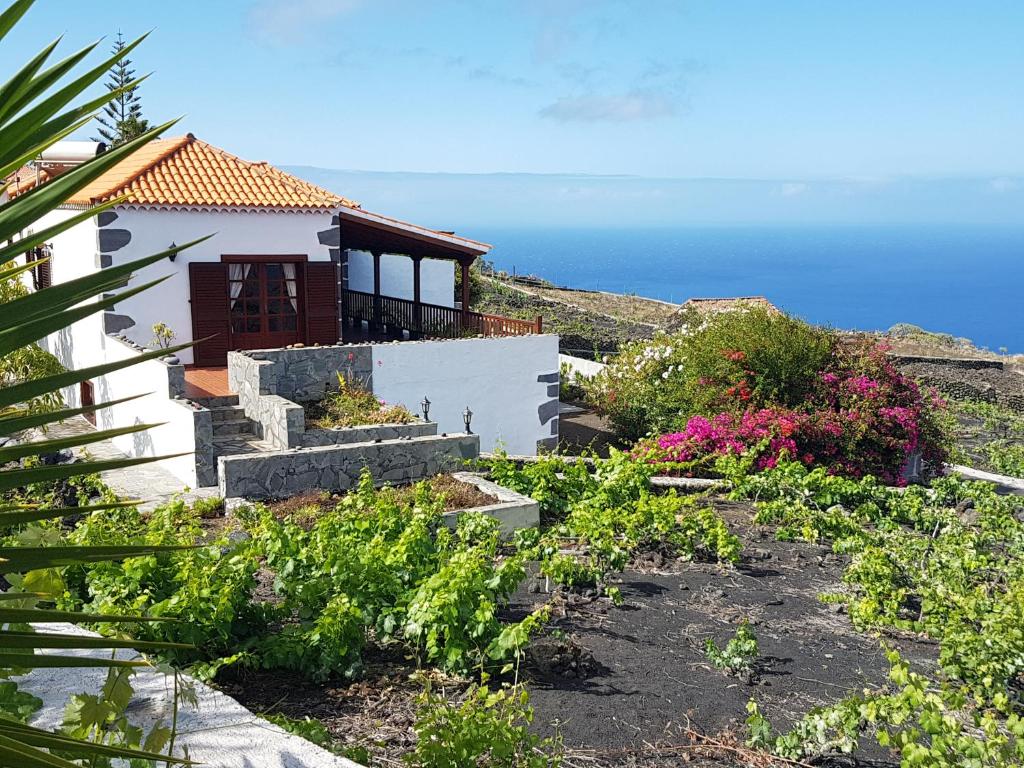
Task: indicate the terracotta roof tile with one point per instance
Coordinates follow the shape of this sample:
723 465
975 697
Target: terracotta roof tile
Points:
185 171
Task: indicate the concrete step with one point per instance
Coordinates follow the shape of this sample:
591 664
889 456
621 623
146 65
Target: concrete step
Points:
227 413
232 427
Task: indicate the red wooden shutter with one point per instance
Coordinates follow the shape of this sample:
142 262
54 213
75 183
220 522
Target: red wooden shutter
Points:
209 286
321 303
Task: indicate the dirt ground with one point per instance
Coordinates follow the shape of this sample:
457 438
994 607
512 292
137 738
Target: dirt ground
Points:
649 677
622 685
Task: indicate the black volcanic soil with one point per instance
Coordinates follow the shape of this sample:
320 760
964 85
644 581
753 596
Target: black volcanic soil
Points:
623 685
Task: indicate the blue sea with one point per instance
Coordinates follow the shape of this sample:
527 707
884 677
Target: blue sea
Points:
967 281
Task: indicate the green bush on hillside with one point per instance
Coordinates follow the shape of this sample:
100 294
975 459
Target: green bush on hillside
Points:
747 358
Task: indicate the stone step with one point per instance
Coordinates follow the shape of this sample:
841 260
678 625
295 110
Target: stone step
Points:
233 445
227 413
232 427
220 401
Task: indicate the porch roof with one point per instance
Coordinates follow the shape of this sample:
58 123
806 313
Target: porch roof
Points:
362 230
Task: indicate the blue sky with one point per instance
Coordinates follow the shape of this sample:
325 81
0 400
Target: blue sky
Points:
777 90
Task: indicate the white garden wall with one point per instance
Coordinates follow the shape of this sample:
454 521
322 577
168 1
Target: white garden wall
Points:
437 277
177 431
510 384
581 366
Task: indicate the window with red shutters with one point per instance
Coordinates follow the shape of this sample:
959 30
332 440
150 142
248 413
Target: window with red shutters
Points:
321 302
209 288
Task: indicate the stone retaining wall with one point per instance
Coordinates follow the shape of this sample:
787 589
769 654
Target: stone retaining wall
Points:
961 363
966 379
312 438
302 374
279 474
206 462
279 421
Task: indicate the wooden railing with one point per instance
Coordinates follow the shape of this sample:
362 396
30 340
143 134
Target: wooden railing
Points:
432 319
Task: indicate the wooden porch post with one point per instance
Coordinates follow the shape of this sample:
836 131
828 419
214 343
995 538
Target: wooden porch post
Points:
465 294
377 325
417 307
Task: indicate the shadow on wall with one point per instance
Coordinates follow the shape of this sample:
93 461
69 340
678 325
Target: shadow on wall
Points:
142 442
64 348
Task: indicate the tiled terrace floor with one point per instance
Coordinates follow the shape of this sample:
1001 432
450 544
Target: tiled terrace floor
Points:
206 382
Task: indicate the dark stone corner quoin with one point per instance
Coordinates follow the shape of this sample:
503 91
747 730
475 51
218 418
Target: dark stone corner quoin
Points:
114 239
105 218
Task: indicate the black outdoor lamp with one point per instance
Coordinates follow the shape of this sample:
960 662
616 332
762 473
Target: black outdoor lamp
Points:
174 251
467 417
425 407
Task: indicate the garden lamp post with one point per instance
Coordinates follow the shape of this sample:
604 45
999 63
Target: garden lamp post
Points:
467 417
425 407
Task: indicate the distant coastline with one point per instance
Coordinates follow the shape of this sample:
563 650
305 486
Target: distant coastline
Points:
956 280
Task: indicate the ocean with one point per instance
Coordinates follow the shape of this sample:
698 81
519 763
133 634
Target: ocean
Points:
966 281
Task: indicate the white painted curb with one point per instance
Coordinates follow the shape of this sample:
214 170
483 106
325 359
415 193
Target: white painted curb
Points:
1014 484
220 733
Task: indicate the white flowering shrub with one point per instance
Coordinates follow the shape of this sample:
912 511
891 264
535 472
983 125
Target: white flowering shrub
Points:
733 361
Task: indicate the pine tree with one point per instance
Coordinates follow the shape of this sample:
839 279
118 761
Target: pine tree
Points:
123 119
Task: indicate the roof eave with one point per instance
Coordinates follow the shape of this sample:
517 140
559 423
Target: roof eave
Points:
470 247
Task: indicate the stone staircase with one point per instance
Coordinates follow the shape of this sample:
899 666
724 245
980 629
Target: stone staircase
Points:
247 466
233 432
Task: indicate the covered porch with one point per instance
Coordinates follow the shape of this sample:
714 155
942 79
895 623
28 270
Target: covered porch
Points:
374 314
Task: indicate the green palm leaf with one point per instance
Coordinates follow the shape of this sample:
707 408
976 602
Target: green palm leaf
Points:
37 109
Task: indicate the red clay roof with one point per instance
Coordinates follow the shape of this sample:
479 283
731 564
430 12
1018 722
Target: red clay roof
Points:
185 171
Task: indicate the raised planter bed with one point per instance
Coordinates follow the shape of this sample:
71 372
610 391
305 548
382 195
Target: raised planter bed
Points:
275 474
513 510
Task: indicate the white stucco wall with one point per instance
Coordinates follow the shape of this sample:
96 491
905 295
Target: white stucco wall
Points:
234 232
177 431
74 250
84 344
582 366
506 382
437 277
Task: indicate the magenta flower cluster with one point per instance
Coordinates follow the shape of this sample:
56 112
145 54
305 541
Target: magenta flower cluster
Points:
862 417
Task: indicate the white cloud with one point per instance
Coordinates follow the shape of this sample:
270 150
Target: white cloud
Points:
615 108
289 22
793 189
1004 185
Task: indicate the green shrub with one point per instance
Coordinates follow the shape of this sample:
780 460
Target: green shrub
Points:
489 728
745 359
609 514
384 563
206 586
351 406
739 653
1005 457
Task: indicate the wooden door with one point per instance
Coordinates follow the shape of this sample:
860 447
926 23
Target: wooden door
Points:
209 288
264 304
87 397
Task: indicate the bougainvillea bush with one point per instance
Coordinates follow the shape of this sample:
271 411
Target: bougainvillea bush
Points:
770 386
730 361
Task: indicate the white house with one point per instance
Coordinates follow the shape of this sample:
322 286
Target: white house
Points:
287 264
267 277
